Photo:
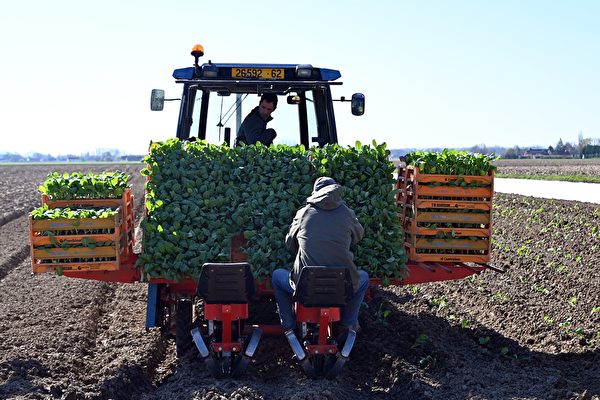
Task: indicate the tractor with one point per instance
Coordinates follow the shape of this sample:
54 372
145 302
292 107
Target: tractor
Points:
212 93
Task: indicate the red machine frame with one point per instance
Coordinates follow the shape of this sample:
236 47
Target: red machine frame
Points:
416 272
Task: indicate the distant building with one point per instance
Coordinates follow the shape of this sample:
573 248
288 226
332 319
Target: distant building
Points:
132 157
73 158
536 153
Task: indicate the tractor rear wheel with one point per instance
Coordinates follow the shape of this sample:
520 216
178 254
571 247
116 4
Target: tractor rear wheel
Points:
183 327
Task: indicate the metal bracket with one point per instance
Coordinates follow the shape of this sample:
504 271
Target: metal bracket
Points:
199 343
295 344
253 342
349 343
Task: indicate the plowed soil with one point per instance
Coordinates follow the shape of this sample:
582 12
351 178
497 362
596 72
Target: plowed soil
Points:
532 332
548 166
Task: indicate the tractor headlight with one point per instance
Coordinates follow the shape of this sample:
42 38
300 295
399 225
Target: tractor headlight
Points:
304 71
209 71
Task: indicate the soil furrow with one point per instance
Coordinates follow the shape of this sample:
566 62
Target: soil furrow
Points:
11 216
13 260
125 352
14 243
45 329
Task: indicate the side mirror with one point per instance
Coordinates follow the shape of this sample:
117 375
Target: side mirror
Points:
157 100
358 104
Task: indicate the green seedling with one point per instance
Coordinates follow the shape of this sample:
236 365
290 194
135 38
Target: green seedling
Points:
484 340
562 268
217 191
382 315
579 331
464 323
428 361
501 297
420 340
77 185
451 162
440 303
523 251
413 289
548 320
539 288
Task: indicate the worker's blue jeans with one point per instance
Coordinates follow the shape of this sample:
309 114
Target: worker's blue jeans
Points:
284 297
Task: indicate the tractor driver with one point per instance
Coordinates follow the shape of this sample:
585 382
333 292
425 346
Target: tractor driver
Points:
321 235
254 127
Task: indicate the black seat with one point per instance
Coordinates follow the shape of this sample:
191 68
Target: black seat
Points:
226 283
324 287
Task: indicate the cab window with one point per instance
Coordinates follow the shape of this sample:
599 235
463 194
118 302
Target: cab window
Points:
222 113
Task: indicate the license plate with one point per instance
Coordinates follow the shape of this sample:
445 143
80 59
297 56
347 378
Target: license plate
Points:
257 73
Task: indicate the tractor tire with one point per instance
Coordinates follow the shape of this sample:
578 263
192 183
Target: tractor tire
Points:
183 327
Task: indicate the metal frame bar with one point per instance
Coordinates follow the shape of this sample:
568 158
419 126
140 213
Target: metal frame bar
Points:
215 83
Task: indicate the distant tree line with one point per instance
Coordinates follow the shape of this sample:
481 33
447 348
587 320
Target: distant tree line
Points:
100 156
584 148
591 150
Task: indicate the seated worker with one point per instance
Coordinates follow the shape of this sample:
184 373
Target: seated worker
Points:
254 127
321 235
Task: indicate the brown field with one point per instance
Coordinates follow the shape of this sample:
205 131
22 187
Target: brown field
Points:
532 332
564 167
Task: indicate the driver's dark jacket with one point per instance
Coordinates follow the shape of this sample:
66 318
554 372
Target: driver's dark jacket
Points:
322 232
254 129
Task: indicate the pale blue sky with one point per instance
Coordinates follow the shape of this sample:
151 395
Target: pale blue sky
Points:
76 75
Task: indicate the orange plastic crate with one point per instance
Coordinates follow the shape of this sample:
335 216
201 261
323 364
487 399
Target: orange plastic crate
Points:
460 243
81 257
125 203
453 258
428 211
452 191
410 226
123 237
410 183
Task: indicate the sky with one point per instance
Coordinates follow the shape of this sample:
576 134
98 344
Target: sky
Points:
77 75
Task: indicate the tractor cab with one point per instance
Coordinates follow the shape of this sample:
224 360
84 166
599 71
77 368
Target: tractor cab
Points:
217 97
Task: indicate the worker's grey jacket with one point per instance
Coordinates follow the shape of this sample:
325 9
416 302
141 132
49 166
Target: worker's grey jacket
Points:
254 129
322 232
